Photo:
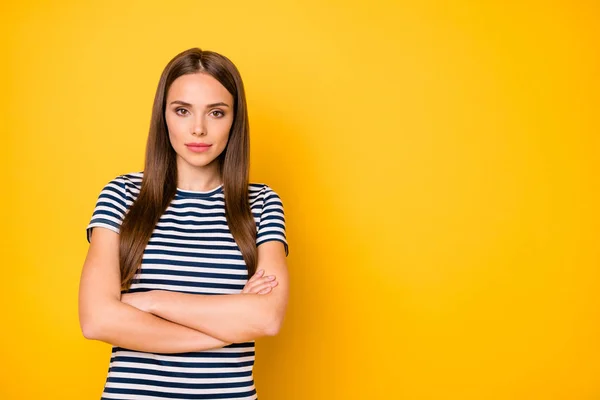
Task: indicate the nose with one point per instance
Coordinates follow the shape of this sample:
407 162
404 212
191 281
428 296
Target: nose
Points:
199 127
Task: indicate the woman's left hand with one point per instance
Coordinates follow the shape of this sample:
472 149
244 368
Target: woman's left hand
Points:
141 300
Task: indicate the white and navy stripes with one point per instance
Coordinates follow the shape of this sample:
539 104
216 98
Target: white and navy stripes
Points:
191 250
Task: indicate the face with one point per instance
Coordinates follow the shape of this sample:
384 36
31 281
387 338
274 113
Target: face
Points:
199 115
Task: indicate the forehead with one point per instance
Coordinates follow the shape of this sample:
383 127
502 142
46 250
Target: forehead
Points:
198 89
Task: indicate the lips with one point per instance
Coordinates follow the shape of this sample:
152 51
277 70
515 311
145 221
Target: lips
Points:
198 147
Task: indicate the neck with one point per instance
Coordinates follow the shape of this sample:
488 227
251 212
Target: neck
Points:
200 179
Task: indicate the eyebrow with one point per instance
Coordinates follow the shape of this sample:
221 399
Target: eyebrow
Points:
183 103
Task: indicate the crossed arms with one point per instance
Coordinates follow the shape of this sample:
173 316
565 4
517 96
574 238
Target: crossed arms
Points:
170 322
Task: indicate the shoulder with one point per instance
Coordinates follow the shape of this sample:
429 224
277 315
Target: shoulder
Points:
132 179
126 186
263 198
261 191
257 188
113 202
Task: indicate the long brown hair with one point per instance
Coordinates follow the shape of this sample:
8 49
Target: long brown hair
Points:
159 183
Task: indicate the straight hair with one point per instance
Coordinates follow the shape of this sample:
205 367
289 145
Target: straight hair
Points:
159 182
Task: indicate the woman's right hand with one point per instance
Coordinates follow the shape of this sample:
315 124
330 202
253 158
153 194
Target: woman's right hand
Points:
260 284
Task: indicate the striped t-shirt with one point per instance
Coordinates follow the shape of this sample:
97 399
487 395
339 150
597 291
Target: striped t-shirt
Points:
191 250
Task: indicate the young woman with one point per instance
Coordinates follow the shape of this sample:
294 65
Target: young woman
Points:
165 280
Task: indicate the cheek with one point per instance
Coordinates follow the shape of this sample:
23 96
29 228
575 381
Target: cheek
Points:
224 129
174 127
224 138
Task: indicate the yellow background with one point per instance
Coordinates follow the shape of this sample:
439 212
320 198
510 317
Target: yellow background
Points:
438 165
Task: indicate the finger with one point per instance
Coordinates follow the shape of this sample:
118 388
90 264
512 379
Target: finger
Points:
265 290
257 288
257 275
260 288
253 281
261 281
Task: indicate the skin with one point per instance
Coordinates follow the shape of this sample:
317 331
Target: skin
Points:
199 110
233 318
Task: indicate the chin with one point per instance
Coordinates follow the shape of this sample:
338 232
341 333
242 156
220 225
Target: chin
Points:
200 162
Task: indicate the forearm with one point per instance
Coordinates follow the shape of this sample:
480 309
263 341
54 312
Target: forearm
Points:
125 326
232 318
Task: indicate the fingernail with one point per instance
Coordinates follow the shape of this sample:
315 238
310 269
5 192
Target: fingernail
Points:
260 271
271 277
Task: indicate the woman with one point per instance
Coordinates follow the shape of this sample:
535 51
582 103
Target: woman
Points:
165 241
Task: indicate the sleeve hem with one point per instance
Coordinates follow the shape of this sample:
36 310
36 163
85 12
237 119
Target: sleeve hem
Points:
285 245
100 225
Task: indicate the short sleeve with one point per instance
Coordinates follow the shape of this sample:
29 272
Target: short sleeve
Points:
110 207
272 220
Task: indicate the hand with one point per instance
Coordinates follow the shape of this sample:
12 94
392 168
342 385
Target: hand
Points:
141 300
259 284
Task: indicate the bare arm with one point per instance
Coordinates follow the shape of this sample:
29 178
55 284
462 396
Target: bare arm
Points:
102 315
232 318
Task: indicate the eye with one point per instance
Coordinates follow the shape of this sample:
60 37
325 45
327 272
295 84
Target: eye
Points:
217 113
181 111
